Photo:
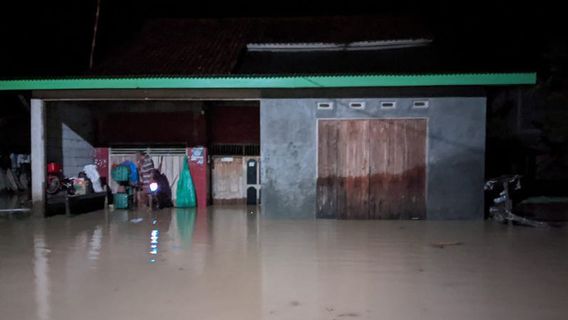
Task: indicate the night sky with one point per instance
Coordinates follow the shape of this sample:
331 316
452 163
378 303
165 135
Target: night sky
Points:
53 37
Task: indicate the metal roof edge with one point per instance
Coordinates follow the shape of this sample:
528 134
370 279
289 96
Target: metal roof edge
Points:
274 82
336 46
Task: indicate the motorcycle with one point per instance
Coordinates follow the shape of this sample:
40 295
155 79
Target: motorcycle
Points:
502 208
57 182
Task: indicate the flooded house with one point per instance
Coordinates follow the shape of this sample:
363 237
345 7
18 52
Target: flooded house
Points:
370 121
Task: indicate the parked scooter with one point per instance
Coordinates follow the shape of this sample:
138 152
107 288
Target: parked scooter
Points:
56 181
502 208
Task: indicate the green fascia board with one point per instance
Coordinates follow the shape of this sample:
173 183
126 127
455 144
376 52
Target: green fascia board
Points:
273 82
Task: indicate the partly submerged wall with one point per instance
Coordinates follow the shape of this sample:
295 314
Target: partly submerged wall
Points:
455 152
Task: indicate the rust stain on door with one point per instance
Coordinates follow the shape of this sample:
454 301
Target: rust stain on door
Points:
372 169
328 182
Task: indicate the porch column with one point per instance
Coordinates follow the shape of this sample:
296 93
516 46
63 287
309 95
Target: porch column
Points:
38 165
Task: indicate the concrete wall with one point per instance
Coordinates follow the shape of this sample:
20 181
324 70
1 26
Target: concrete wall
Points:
288 151
70 136
455 152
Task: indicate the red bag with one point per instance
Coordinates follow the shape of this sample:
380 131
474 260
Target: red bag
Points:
53 168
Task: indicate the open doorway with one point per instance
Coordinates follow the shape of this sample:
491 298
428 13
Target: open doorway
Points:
107 133
235 152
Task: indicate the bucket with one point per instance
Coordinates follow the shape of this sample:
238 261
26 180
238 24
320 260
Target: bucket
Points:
121 200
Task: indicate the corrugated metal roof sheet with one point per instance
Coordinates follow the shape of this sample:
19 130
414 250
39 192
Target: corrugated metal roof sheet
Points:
335 46
272 82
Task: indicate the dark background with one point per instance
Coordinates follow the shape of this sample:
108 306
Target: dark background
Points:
54 37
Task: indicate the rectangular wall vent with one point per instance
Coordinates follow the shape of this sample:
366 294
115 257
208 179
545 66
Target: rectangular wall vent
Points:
420 104
325 105
357 105
388 104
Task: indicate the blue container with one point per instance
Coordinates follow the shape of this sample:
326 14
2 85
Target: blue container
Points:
120 173
121 200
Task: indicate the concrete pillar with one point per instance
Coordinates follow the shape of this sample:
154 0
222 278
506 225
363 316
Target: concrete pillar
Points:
37 115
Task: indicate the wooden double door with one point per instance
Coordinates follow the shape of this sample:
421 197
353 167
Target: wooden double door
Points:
372 169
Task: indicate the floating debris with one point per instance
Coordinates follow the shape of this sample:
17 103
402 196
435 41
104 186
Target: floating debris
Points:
350 314
442 245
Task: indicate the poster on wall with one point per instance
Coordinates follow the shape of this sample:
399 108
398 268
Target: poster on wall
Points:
197 155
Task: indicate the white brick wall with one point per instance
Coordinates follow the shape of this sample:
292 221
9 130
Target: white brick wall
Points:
70 136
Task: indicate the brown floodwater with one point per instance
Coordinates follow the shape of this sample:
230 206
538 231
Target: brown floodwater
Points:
231 263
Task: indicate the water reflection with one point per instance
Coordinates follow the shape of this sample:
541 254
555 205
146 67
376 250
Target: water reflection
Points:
252 224
154 241
185 220
202 227
41 273
160 224
95 243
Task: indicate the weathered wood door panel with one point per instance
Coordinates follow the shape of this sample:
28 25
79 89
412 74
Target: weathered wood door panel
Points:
372 169
228 180
328 182
397 172
353 169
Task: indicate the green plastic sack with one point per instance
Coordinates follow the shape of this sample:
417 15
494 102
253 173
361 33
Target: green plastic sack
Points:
185 189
